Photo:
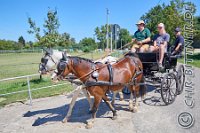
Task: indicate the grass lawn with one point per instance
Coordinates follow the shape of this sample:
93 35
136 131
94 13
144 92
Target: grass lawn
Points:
19 64
196 60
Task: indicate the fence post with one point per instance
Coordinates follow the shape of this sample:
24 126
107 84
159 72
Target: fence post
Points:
29 90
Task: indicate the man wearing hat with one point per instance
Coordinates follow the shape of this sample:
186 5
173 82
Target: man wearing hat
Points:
141 38
179 43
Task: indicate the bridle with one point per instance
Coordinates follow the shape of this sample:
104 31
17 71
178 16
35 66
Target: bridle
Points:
42 65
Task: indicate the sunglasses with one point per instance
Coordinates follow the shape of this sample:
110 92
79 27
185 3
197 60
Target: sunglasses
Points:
159 27
139 24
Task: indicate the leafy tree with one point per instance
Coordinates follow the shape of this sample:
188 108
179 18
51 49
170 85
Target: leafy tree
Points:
51 24
88 44
100 33
171 15
196 38
30 43
21 42
124 37
8 45
51 35
34 29
73 40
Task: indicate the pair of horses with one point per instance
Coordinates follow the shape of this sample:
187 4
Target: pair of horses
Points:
50 61
126 71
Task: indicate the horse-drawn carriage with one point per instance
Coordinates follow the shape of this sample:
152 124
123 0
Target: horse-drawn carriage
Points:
170 80
130 71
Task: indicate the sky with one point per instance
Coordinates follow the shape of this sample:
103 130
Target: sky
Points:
77 17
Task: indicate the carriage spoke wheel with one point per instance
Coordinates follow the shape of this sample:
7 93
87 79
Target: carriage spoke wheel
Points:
169 87
181 79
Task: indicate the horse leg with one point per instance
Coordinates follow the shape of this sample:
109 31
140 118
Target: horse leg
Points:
113 98
107 101
87 95
131 102
135 109
97 100
121 95
143 89
75 96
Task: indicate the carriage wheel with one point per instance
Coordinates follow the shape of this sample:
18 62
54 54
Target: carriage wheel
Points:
169 87
126 90
181 79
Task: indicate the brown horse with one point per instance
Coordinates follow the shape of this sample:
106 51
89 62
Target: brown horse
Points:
127 70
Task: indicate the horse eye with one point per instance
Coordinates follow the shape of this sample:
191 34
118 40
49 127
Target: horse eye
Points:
42 60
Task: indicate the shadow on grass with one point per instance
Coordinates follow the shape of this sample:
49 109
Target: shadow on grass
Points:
37 81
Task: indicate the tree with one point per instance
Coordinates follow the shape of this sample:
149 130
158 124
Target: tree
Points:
21 42
124 37
51 24
51 35
171 15
88 44
100 33
30 44
8 45
34 29
196 38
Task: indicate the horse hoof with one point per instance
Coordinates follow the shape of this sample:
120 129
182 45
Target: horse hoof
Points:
88 125
114 117
135 110
65 120
131 108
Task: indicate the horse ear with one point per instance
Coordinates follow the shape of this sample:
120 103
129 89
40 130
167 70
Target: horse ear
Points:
49 51
65 53
64 57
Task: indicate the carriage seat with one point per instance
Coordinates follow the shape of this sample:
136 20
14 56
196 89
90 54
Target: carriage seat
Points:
170 49
150 61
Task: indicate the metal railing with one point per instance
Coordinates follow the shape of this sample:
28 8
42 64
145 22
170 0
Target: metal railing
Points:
29 90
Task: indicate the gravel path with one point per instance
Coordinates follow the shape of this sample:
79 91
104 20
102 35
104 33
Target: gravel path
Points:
46 114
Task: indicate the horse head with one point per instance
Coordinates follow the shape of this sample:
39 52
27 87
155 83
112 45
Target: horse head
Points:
49 60
62 66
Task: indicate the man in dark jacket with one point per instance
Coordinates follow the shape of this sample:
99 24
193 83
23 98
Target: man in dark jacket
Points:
179 43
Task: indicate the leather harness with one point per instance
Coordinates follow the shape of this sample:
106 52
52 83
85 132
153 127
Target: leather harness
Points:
110 70
133 80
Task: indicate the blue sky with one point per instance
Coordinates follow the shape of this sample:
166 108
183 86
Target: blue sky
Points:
77 17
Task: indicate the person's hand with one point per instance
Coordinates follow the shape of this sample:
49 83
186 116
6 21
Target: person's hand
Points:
133 40
156 47
174 52
139 42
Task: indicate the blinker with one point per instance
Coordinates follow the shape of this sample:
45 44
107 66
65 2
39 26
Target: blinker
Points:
43 60
62 65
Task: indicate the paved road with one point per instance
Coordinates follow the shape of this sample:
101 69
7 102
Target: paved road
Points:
46 114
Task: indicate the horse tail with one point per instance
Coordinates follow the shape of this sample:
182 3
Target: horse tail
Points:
143 88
